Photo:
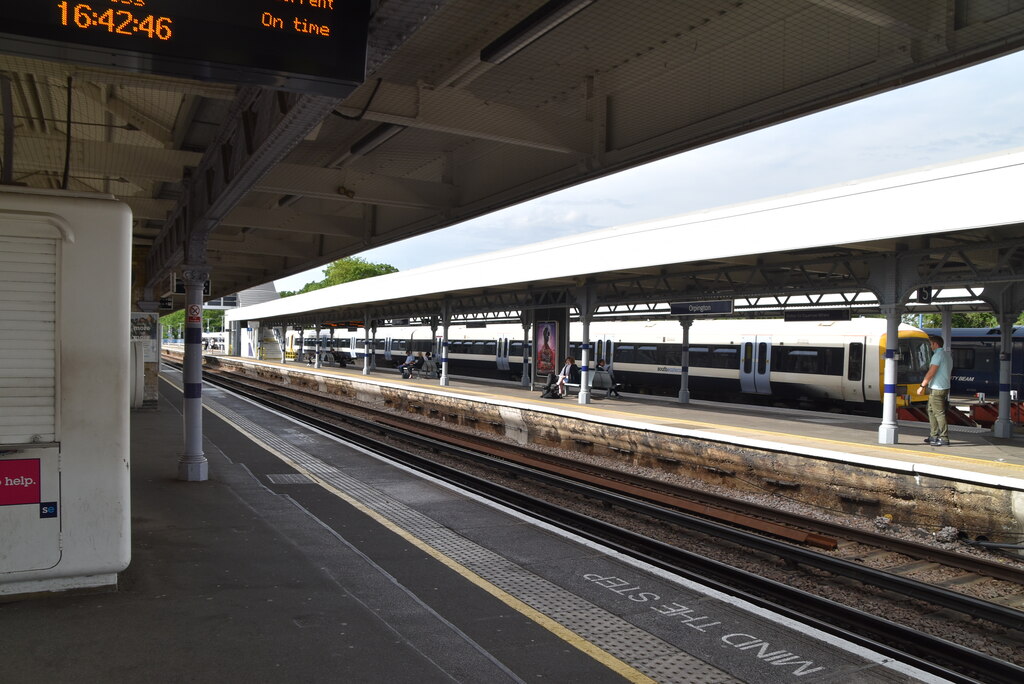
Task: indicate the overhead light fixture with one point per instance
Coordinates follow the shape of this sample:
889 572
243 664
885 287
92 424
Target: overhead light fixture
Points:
542 20
375 138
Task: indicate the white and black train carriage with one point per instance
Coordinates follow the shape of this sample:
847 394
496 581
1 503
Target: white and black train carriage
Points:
827 364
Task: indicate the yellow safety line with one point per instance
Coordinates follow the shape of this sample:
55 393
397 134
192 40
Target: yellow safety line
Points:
597 653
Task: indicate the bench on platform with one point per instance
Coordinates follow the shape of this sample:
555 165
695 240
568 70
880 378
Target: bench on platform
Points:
595 380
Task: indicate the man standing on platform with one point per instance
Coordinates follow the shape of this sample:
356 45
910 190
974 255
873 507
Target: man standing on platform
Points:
936 380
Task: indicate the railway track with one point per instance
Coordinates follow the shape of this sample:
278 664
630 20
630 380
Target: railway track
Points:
791 545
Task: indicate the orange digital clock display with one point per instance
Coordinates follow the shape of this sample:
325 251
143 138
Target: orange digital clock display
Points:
118 21
310 46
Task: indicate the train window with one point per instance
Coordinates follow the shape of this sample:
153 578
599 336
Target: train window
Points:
599 349
490 348
762 357
700 357
515 348
748 357
725 357
397 345
421 345
963 359
915 355
647 355
670 355
810 360
625 353
856 369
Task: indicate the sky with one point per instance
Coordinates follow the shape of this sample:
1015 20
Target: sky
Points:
970 112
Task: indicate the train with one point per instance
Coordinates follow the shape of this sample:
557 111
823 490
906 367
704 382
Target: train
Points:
976 361
831 364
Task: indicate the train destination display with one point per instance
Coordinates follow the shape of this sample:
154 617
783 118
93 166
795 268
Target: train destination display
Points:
316 46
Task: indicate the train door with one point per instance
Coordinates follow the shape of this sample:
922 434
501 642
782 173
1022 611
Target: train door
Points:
755 364
853 380
387 349
501 356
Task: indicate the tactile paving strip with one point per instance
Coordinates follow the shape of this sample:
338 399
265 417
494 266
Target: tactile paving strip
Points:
642 651
288 478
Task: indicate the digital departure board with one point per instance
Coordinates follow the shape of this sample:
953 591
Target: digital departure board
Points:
316 46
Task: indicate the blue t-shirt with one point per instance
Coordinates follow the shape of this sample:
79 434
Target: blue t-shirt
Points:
940 381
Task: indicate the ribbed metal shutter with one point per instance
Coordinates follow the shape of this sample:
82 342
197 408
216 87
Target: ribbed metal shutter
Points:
28 331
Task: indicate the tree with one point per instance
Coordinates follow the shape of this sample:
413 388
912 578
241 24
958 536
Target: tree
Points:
213 320
344 271
974 319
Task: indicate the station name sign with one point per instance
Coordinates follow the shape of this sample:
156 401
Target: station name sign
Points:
723 306
817 315
315 46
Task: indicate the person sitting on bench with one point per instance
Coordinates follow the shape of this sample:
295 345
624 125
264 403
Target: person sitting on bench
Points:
555 387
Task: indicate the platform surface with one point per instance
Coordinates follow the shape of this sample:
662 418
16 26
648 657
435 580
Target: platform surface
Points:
974 452
304 560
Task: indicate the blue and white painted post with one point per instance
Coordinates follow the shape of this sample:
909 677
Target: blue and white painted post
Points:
193 466
527 379
584 397
367 324
1003 427
888 431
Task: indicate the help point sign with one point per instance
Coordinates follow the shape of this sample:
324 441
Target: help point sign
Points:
19 481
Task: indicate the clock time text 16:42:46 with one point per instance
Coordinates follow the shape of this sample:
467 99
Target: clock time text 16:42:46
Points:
120 22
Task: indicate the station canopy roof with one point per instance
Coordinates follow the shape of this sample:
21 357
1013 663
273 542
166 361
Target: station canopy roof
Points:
468 106
956 229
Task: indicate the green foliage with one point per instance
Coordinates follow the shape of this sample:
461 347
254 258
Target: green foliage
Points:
213 320
971 319
967 320
344 271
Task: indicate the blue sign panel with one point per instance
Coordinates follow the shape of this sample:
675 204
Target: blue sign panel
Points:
701 308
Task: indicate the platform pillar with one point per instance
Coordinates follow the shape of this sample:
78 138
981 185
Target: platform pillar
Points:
193 466
888 431
684 370
367 324
527 321
584 397
446 321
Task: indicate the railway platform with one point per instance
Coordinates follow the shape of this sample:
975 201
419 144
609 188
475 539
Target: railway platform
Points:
828 460
303 559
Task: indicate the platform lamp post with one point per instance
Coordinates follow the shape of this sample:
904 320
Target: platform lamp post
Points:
193 466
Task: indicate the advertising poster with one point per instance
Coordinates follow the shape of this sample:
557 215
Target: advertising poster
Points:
546 345
146 329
